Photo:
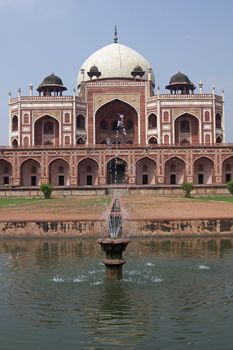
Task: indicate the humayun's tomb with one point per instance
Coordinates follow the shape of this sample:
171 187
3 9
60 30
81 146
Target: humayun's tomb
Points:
75 143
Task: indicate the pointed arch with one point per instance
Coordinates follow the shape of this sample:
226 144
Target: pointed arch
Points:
5 172
203 168
186 127
174 170
109 114
59 172
88 172
145 171
117 171
227 169
30 172
46 130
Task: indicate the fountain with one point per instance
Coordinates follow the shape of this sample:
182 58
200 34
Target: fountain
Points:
114 245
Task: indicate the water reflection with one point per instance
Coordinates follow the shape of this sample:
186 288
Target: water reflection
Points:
54 292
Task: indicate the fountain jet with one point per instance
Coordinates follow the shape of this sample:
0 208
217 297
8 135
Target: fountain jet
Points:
114 245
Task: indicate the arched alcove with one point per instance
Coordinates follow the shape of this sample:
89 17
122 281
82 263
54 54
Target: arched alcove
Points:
187 128
117 171
108 115
59 172
46 131
30 171
203 171
88 172
145 171
5 172
174 171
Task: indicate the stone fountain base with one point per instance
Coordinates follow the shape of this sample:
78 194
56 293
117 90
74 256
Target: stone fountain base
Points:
113 248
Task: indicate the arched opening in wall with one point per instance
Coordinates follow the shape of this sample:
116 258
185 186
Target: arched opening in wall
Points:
187 128
46 131
174 171
111 112
218 121
67 140
59 173
218 139
152 121
15 123
30 173
203 171
207 139
26 141
117 171
5 172
166 140
227 170
14 143
88 172
80 122
145 171
81 140
153 140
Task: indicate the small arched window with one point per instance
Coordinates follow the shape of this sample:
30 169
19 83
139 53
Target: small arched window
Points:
152 121
153 140
15 143
80 141
207 116
15 123
80 122
218 121
67 140
26 118
218 139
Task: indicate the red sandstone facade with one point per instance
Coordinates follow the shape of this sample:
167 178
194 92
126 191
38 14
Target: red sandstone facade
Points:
73 141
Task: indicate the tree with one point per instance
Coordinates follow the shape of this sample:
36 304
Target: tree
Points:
187 187
47 190
230 186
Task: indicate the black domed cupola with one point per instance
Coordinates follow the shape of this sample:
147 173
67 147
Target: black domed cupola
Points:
180 84
52 85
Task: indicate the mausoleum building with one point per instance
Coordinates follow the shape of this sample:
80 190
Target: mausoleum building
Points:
116 127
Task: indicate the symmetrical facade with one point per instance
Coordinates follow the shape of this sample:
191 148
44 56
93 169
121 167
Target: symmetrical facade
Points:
116 128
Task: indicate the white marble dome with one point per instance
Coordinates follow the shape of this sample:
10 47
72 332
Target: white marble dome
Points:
115 61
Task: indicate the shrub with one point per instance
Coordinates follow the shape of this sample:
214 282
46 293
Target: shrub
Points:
230 186
187 187
47 190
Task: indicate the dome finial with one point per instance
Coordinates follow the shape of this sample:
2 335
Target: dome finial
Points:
115 35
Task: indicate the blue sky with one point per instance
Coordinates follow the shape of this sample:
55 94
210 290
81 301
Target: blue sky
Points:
43 36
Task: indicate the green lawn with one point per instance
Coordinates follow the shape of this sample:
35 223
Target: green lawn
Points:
97 203
219 198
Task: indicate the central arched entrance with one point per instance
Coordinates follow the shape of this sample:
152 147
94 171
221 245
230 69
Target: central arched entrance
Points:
117 171
46 131
106 123
187 129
